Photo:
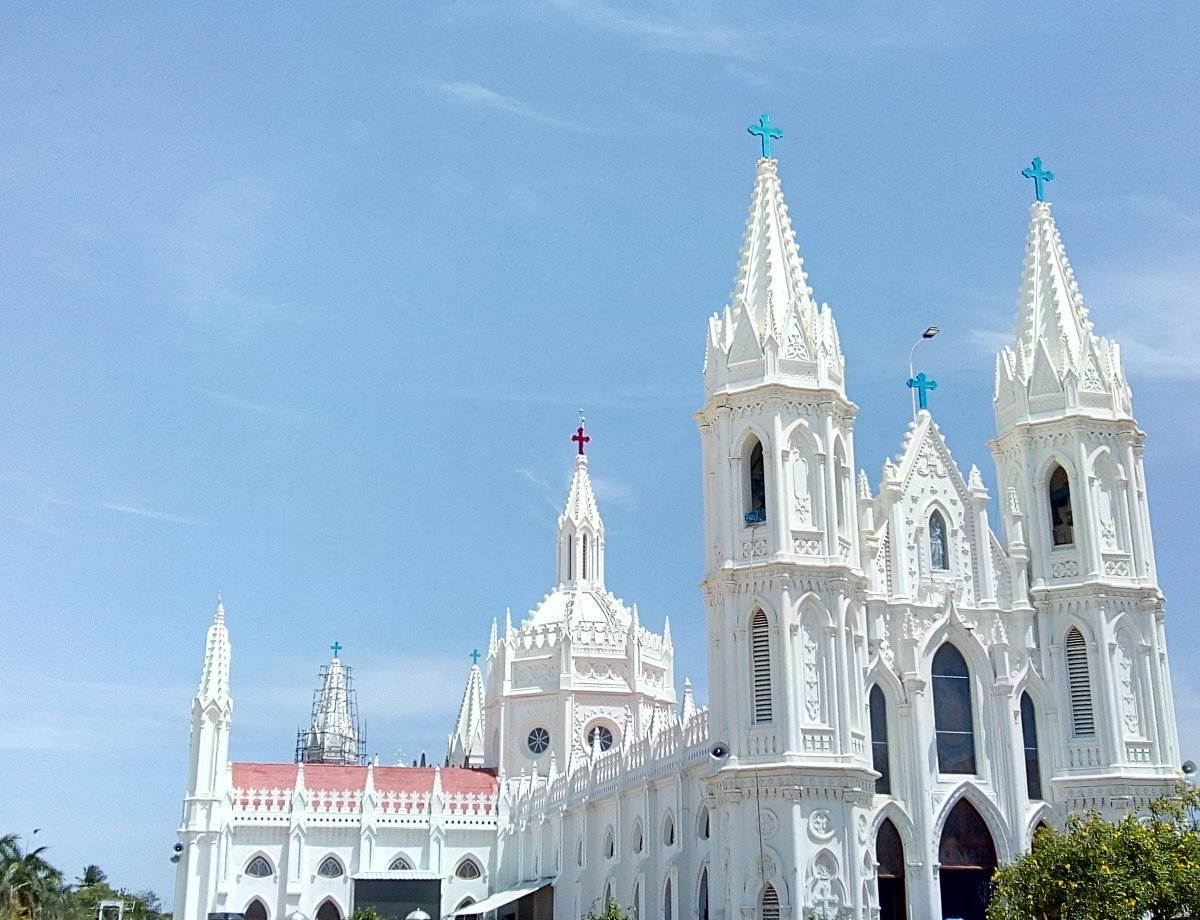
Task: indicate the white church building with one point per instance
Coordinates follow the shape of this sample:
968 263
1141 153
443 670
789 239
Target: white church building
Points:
902 686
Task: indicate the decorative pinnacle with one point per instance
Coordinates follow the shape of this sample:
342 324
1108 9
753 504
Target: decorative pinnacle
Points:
1039 176
579 437
764 130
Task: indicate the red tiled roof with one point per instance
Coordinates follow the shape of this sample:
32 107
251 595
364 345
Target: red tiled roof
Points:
387 779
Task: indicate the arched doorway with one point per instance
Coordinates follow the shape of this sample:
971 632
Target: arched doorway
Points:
889 854
968 859
255 910
328 911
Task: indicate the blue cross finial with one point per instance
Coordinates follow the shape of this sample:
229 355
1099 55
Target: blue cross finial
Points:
765 131
475 656
337 646
922 385
1039 176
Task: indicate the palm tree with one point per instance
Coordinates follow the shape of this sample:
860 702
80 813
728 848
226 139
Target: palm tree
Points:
28 883
92 875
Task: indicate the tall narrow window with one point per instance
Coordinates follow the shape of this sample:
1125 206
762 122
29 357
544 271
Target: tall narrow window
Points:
570 559
760 652
637 901
756 505
1062 519
877 703
770 904
667 905
1033 770
585 556
702 901
889 854
1083 720
939 555
953 715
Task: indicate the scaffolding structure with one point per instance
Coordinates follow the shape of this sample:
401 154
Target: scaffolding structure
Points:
334 735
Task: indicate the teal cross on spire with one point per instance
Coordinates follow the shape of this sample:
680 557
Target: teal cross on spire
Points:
337 646
764 130
475 656
1039 176
922 385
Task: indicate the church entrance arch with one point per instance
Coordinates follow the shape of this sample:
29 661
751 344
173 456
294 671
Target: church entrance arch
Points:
889 854
968 858
328 911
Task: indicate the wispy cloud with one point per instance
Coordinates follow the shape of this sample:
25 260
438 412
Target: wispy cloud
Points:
551 496
480 96
1156 320
610 491
237 402
153 514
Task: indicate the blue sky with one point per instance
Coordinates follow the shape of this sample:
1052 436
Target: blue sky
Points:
300 305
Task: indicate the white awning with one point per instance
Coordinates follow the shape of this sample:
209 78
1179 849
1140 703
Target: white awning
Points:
500 898
388 875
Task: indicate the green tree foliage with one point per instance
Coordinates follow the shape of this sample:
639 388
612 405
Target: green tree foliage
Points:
32 889
610 911
1145 867
366 913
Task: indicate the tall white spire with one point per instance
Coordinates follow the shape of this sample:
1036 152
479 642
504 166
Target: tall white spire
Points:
772 326
465 747
1056 362
333 735
214 676
580 530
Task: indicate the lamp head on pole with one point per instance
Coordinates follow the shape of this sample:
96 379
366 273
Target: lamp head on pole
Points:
931 332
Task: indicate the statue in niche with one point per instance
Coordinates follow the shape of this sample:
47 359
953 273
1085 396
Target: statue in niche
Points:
802 497
938 555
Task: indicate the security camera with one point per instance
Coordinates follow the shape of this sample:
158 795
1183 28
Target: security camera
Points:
178 848
719 751
1189 767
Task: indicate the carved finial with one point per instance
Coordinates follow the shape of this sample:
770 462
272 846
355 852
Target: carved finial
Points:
1014 502
864 485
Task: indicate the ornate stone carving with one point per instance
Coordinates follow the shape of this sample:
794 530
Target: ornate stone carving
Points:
820 825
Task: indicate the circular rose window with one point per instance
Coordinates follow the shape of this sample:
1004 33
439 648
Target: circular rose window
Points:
538 740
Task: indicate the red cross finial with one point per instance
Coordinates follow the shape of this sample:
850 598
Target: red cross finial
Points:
579 437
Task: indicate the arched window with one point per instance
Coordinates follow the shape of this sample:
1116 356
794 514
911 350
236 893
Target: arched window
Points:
258 867
400 864
570 558
1033 770
702 900
889 854
1062 518
585 556
939 552
968 859
607 894
953 713
668 835
756 494
769 904
667 901
760 653
610 848
329 910
255 910
1083 720
637 901
841 486
466 902
703 831
602 734
637 836
579 852
468 869
330 868
877 703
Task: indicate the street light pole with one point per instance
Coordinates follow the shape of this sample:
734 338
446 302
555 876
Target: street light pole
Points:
929 333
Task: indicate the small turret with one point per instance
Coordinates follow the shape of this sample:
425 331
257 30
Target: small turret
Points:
465 744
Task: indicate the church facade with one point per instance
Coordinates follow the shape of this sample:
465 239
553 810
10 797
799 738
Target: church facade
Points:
899 694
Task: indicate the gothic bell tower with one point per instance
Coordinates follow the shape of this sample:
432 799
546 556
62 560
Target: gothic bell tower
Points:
786 639
1068 454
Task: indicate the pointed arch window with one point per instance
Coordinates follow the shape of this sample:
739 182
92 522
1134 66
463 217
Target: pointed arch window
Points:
329 911
255 910
756 481
889 854
468 869
668 900
258 867
703 830
637 900
1083 719
668 836
953 712
702 899
769 904
585 556
760 664
610 848
1033 770
1062 517
400 864
877 703
637 836
330 868
939 550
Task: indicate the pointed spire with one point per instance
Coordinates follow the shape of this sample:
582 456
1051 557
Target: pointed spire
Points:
580 530
333 736
214 676
688 710
465 745
1056 358
771 309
